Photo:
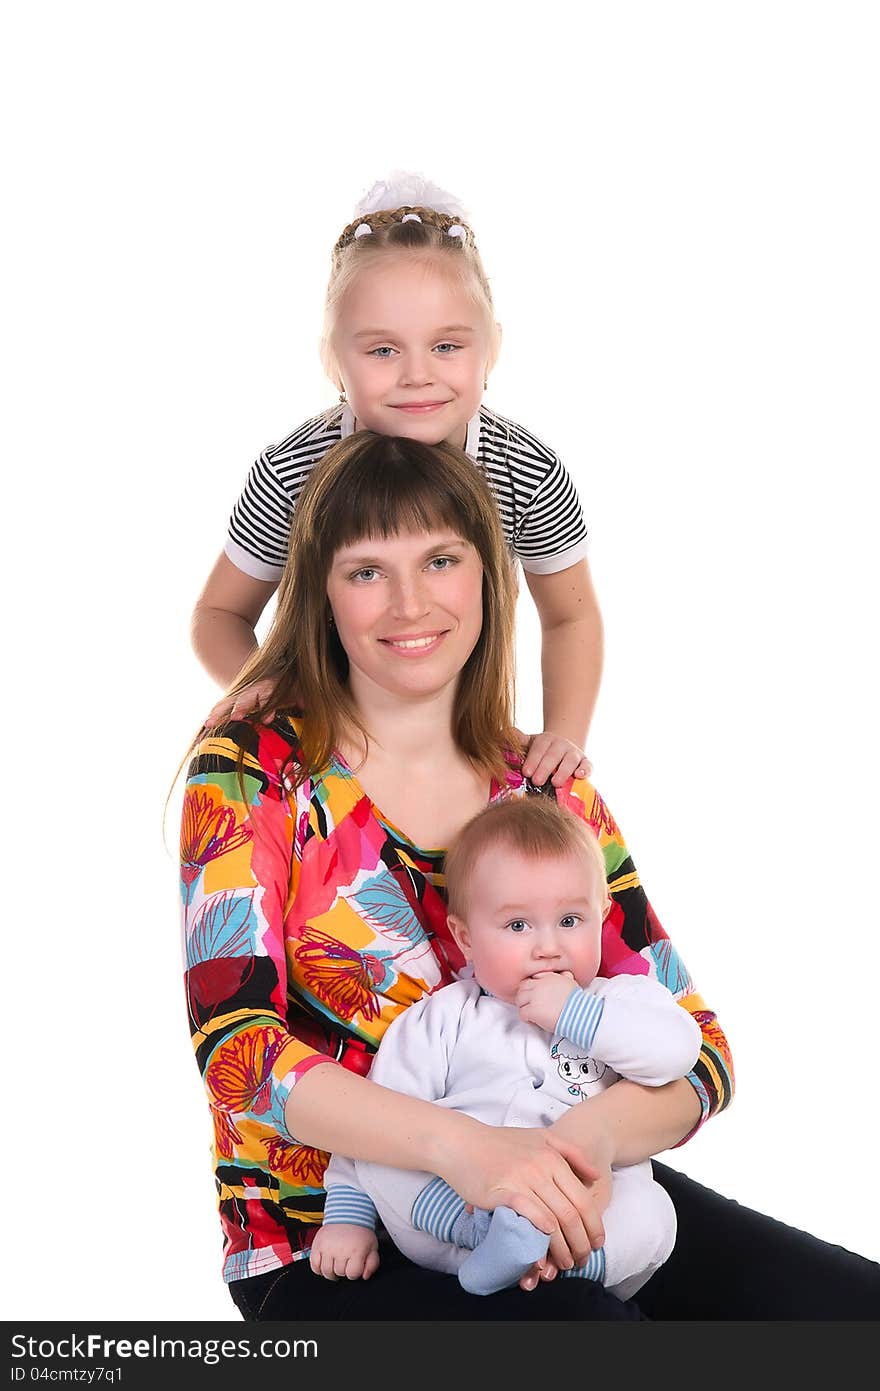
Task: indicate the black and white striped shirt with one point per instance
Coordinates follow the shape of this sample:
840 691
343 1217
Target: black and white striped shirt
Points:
540 510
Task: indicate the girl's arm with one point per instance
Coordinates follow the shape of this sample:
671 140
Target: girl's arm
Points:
571 668
225 617
223 635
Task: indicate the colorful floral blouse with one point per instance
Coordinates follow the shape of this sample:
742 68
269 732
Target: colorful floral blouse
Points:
310 922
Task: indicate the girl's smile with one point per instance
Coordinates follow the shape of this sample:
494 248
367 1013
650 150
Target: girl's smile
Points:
412 348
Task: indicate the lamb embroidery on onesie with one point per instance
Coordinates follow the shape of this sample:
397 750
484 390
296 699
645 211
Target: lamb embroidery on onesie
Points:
579 1071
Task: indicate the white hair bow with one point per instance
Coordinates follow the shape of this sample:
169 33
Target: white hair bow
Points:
401 190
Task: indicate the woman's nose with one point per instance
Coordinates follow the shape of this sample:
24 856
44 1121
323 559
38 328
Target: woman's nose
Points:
408 598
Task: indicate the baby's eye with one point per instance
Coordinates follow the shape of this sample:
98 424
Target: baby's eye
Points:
518 925
384 351
570 920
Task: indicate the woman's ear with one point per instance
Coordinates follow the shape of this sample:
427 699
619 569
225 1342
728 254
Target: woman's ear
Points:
459 930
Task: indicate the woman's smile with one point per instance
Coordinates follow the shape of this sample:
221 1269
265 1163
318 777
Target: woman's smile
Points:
418 646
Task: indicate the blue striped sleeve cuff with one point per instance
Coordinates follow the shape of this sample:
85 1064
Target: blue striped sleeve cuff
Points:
580 1017
349 1205
594 1268
436 1209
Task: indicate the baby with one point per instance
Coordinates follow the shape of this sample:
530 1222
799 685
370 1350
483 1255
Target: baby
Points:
534 1031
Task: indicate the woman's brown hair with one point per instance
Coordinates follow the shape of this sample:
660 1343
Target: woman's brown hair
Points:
376 486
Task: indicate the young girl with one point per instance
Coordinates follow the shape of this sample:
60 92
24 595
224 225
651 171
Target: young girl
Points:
409 340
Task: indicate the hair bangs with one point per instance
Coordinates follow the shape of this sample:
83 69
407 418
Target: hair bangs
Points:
404 493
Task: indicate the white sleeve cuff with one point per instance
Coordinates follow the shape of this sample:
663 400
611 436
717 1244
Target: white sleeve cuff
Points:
243 560
552 564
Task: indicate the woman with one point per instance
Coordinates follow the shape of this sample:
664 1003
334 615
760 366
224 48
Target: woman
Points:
314 914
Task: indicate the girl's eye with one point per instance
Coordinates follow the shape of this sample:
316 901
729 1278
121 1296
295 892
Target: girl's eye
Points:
570 920
385 351
447 349
518 925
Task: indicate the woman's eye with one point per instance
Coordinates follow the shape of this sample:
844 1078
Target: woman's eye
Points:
443 562
570 920
367 574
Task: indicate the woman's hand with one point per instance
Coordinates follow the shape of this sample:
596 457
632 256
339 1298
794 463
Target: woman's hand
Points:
553 756
342 1251
600 1197
542 1176
544 1270
238 707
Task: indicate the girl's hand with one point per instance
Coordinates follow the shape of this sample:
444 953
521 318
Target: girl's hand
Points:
541 999
550 755
342 1251
240 706
541 1175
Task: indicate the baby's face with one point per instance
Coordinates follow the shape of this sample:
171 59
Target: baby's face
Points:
525 917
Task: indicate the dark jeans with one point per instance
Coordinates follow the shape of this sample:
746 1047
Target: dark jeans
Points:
728 1263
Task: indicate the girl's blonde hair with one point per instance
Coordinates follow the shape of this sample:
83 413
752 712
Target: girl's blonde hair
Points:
426 235
535 827
378 486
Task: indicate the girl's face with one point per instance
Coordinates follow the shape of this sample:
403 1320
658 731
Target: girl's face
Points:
412 348
408 610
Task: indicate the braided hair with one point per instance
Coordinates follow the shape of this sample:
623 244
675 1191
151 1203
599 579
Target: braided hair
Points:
366 240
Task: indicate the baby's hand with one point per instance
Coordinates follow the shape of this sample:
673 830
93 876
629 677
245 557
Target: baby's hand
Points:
550 754
541 999
239 706
342 1251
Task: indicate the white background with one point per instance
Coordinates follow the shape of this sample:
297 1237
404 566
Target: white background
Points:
677 205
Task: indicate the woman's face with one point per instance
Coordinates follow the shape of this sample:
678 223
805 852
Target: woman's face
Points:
408 610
